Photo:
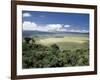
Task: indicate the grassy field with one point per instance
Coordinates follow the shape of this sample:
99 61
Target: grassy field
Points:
67 42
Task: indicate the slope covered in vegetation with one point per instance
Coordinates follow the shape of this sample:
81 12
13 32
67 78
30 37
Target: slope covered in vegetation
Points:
41 56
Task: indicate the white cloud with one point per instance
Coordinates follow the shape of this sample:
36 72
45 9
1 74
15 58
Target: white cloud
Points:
85 31
66 26
26 14
80 31
63 30
53 27
27 25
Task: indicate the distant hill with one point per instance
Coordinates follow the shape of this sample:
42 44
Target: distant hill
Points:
33 33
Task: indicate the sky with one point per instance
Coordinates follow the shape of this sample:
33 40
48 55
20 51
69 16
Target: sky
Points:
55 21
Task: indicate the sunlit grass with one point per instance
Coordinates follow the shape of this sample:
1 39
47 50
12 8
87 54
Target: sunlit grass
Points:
49 41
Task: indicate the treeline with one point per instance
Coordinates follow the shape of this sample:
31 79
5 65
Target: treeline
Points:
40 56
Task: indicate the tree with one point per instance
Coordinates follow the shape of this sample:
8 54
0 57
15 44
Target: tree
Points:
55 47
27 40
33 40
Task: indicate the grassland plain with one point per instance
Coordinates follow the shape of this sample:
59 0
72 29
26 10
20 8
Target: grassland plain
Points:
66 42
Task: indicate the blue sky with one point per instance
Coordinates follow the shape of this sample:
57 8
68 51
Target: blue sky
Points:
55 21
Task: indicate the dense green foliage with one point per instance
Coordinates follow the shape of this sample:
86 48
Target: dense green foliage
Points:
39 56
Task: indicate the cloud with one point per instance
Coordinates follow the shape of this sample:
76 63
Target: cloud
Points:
53 27
66 26
80 31
84 31
27 25
26 14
